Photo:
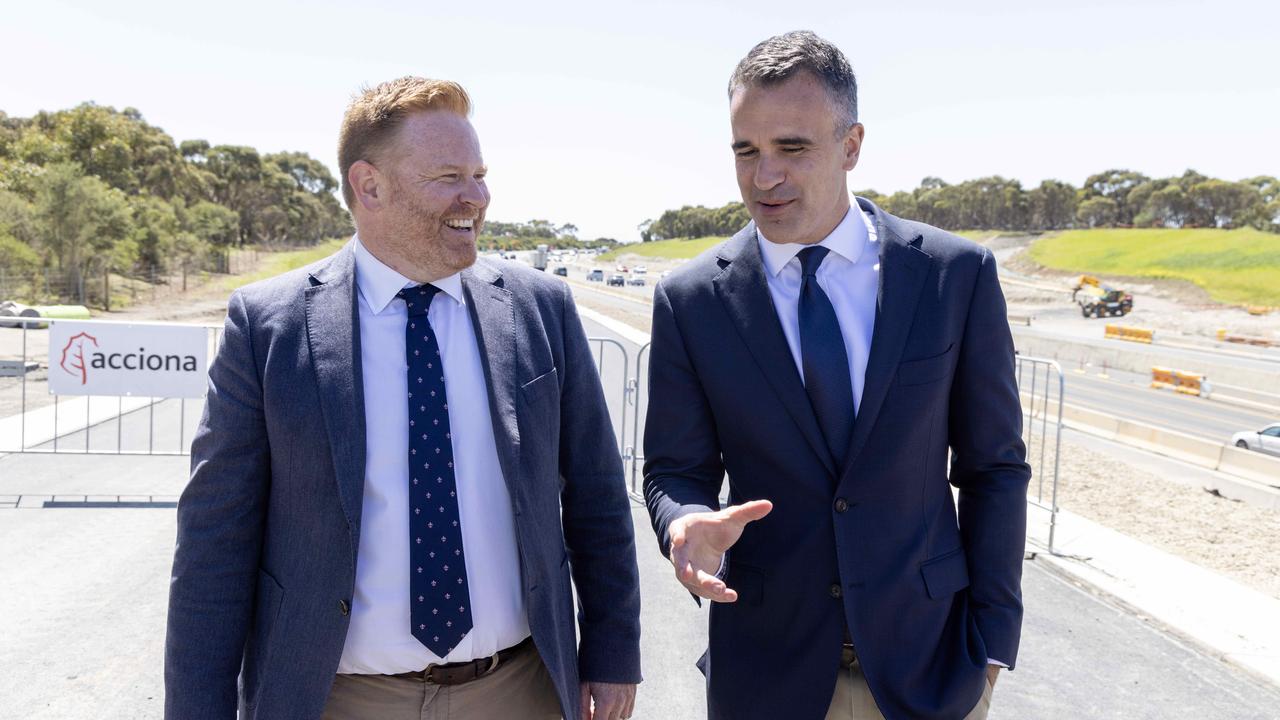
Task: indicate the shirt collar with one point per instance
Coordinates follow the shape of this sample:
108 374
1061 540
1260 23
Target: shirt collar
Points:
848 240
379 283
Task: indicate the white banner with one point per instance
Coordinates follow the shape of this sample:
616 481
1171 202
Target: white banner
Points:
121 359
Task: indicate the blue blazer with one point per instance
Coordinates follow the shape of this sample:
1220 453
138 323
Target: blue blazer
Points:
875 545
269 526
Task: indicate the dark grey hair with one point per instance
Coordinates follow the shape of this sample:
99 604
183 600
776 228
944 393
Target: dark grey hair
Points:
782 57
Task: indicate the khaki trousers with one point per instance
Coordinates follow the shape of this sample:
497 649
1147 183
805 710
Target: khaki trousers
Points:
853 701
520 687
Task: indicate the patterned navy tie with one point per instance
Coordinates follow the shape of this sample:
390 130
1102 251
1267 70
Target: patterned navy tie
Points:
822 353
439 603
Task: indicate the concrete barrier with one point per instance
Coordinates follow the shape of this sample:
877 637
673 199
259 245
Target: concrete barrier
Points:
1251 464
1103 424
1188 448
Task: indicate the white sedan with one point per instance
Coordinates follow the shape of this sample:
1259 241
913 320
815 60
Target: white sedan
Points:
1266 440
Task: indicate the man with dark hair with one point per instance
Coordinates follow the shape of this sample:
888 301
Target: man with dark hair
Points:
404 456
831 358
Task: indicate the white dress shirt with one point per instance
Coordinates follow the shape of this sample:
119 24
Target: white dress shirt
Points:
378 640
849 275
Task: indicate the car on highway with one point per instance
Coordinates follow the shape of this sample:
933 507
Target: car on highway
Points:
637 281
1266 440
639 270
596 275
561 270
617 280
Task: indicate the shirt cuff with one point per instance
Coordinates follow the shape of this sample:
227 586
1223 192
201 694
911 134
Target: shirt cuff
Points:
997 663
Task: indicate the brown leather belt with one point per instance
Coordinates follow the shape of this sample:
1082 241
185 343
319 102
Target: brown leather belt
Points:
464 672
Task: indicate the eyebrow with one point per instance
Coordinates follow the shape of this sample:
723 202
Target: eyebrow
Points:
796 140
445 169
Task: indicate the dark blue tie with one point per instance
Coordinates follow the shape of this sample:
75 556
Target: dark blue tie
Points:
439 603
822 354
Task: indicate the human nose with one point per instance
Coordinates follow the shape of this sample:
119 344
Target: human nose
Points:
768 174
476 193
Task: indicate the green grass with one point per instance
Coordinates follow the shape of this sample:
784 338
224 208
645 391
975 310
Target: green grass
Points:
276 263
1234 266
672 249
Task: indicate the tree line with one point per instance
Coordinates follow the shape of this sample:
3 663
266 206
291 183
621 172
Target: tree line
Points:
529 235
94 190
1114 198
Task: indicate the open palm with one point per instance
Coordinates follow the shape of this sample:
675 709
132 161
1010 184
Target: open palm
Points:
700 540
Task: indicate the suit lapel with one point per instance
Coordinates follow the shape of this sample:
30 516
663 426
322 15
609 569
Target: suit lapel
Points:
744 290
493 316
903 270
334 340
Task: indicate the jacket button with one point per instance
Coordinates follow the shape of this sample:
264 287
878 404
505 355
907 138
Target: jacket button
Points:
343 607
836 592
841 505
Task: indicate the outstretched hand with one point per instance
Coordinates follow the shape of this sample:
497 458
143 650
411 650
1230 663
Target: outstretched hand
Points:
700 540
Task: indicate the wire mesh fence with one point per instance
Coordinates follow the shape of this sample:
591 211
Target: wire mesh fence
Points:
106 288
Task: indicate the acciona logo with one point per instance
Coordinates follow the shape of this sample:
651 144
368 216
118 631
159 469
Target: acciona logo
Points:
119 359
73 356
73 359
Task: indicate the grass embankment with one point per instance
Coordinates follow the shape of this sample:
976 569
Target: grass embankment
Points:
275 263
672 249
1234 266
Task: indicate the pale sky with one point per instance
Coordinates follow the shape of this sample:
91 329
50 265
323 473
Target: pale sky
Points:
605 114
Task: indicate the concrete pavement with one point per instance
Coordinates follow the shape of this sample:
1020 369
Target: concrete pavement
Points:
83 618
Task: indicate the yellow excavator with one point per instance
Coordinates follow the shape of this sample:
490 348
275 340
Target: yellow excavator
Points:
1097 299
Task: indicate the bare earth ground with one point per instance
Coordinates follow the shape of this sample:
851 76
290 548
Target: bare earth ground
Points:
1226 536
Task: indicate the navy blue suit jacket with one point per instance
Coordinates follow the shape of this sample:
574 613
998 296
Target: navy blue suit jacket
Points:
269 525
927 594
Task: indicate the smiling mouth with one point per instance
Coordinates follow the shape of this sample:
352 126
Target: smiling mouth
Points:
463 224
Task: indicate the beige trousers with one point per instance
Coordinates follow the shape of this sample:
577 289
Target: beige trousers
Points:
853 701
520 687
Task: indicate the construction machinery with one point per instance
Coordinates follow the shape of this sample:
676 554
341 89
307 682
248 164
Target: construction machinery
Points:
1097 299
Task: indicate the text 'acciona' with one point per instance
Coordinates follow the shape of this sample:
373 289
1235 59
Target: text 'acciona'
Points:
141 360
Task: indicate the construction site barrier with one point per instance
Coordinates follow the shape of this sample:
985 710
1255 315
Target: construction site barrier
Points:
1188 383
1224 336
1132 334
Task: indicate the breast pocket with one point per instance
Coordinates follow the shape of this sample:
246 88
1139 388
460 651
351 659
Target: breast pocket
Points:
926 370
540 414
545 386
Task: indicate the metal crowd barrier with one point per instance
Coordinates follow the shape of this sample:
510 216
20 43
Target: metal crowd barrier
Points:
86 424
1042 387
118 425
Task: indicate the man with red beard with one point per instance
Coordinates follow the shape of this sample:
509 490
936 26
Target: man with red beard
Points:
405 452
